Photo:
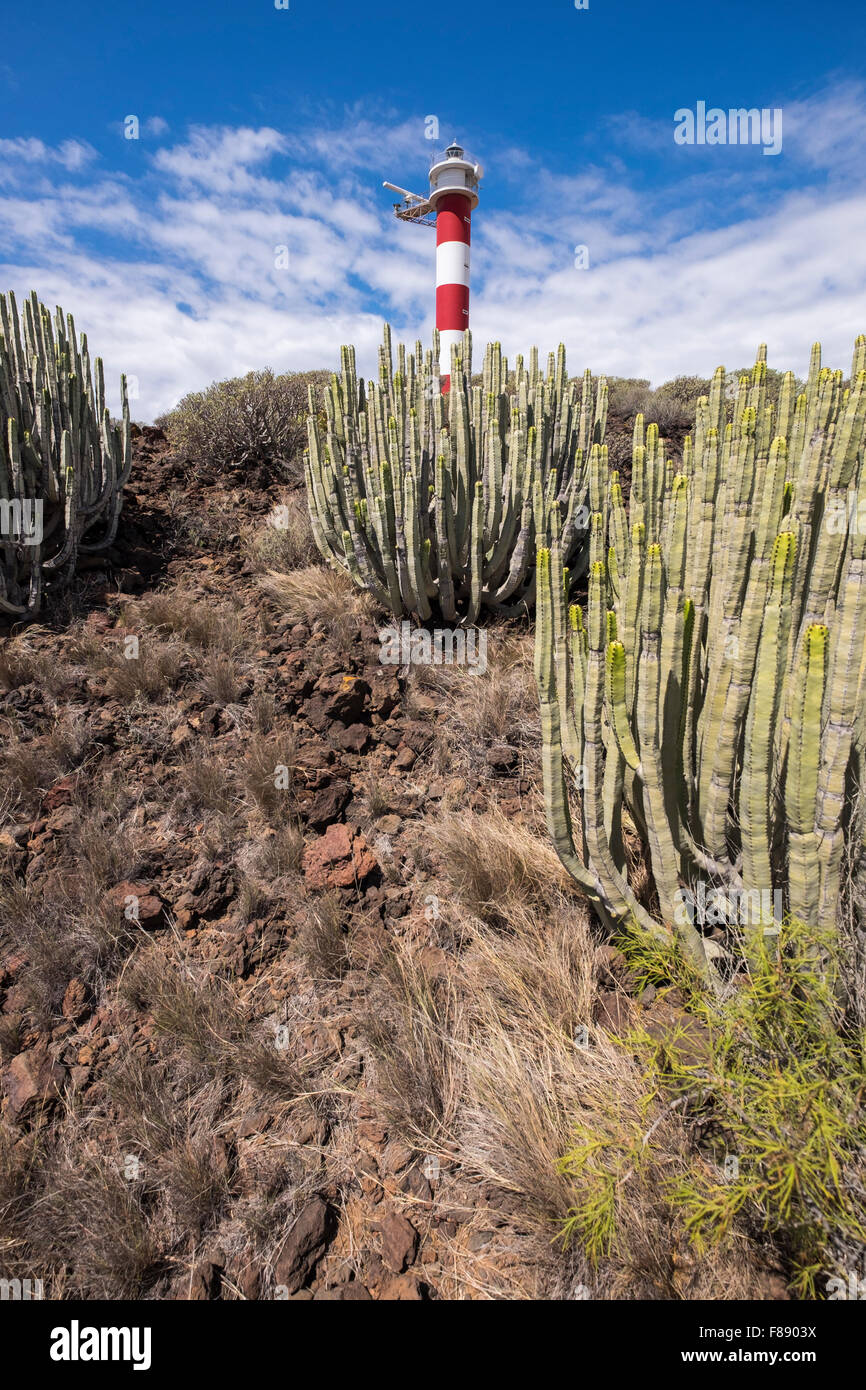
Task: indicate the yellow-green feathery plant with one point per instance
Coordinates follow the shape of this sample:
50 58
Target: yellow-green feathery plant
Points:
775 1091
429 499
63 463
714 693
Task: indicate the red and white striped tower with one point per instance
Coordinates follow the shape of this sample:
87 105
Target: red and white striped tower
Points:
453 194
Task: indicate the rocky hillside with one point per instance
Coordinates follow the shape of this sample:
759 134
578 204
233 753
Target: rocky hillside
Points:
296 1000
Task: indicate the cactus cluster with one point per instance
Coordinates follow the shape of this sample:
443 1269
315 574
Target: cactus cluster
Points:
713 693
63 463
425 498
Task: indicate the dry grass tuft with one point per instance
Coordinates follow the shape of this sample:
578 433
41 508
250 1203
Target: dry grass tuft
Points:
209 626
262 712
199 1016
220 680
253 899
529 1081
63 935
413 1027
285 542
493 710
205 783
275 856
498 1062
322 597
104 844
378 795
90 1208
115 1219
22 662
268 775
322 939
30 766
492 861
152 673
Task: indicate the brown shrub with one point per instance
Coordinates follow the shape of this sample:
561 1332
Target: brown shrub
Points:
257 420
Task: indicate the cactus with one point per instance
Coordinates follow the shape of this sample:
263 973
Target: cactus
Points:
719 706
63 463
428 499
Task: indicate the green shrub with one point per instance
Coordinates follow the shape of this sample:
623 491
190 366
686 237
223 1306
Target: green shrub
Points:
627 395
251 421
775 381
772 1090
671 406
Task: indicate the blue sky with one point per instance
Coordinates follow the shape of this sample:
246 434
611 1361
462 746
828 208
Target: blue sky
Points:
262 127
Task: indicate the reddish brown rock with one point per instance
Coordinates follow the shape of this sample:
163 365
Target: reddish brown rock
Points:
305 1245
99 622
389 824
416 1184
681 1032
385 693
501 757
406 1288
352 1292
248 1280
337 698
134 903
326 805
75 1000
61 793
610 962
33 1081
399 1242
338 859
372 1132
205 1282
354 738
63 819
396 1157
424 704
211 889
14 856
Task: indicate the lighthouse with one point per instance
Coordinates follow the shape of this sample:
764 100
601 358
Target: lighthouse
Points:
454 180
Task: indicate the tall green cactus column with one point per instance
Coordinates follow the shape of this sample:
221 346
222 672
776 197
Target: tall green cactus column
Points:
727 603
426 510
60 451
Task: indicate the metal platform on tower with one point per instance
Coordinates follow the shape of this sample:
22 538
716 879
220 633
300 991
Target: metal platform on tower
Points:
413 208
452 171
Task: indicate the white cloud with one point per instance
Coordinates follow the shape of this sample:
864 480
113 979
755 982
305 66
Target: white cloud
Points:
828 130
72 154
793 276
171 269
220 158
